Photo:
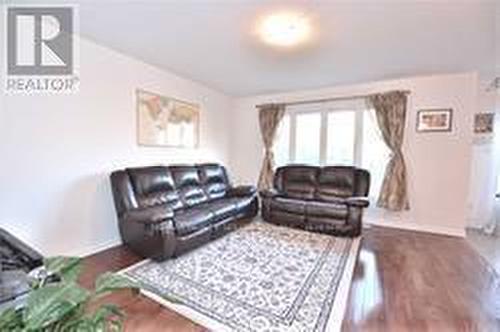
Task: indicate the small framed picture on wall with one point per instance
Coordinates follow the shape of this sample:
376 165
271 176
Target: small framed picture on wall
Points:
484 123
434 120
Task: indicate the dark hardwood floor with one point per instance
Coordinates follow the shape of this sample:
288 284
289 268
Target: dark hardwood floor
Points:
404 281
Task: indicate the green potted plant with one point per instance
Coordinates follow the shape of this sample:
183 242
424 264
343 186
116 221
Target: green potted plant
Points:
57 303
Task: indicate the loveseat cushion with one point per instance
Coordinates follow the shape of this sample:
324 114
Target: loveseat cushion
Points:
335 182
289 205
297 181
192 219
327 210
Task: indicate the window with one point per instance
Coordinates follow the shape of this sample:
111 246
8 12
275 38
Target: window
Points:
341 133
333 134
307 138
282 142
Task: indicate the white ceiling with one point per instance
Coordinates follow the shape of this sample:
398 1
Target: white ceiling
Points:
213 41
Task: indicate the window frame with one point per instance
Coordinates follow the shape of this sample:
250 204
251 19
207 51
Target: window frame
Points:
323 140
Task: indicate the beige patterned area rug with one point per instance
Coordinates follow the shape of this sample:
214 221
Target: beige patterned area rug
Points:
261 277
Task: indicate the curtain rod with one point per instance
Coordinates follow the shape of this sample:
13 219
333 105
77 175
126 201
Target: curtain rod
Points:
323 100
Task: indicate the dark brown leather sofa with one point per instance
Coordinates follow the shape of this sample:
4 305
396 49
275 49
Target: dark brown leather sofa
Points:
327 199
164 211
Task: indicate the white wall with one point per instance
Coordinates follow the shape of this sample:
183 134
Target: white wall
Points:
484 209
438 163
57 150
484 164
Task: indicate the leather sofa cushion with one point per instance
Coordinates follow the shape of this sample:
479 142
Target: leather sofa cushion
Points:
151 215
288 205
241 191
154 186
192 219
327 210
335 182
146 180
222 208
188 184
242 202
169 198
214 180
298 181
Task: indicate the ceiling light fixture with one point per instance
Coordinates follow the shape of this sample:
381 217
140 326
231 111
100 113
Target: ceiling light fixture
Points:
284 29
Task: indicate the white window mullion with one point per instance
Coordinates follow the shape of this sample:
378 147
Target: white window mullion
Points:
323 137
358 139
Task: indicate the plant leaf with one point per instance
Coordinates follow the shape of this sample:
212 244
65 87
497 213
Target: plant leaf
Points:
78 324
108 282
51 303
68 268
106 311
115 325
11 320
108 317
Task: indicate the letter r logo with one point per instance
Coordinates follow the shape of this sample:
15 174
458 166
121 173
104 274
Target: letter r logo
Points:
40 41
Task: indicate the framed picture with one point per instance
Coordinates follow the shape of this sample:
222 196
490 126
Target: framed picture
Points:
434 120
483 123
165 121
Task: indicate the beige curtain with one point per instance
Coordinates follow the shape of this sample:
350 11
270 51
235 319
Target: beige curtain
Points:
390 111
269 119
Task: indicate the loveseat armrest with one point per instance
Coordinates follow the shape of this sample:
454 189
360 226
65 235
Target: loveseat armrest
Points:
150 215
361 202
241 191
268 193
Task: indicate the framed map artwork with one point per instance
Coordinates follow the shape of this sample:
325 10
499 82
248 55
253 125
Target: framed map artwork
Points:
165 121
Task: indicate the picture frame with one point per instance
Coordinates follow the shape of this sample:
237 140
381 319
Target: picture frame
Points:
166 122
435 120
484 123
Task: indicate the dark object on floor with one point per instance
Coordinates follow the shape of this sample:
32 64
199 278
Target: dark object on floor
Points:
164 211
327 199
16 260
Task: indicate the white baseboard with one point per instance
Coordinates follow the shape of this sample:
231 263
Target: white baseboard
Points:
405 225
92 249
441 230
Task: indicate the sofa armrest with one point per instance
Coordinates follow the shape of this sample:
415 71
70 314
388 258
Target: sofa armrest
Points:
241 191
150 215
361 202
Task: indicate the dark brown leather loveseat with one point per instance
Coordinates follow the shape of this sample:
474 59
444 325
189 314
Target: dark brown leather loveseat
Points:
327 199
164 211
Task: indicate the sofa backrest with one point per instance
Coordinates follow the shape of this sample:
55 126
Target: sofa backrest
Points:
327 183
214 180
176 186
362 182
188 184
154 185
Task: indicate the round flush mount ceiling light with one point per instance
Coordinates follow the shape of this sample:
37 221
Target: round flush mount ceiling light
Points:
284 29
